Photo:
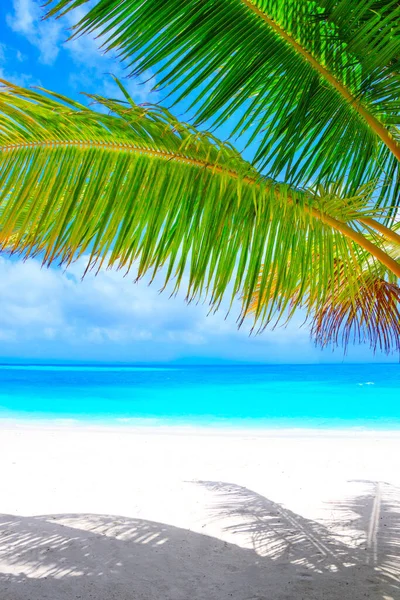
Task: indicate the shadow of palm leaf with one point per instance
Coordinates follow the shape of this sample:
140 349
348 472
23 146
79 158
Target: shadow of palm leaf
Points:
282 535
104 557
67 556
277 532
378 517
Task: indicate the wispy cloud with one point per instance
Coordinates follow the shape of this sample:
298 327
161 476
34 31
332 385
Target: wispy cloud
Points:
92 66
108 316
26 19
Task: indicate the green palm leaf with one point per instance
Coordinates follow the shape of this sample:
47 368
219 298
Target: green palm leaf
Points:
370 30
362 305
371 314
279 70
136 187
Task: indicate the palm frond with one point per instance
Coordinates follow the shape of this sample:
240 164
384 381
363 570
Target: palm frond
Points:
136 187
371 316
370 30
361 305
284 76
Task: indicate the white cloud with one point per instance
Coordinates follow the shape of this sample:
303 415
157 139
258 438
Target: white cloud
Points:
26 19
93 67
50 312
48 303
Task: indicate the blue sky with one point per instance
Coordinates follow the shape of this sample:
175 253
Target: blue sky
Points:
50 314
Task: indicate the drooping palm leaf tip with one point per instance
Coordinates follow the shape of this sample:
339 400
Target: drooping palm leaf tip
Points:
371 315
362 307
374 317
315 94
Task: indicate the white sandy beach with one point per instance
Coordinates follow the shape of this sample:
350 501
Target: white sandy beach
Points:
205 515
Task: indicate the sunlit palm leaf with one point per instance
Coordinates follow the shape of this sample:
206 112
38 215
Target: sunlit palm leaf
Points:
362 305
370 313
137 185
285 77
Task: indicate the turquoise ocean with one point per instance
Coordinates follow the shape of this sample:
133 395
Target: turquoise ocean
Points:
330 396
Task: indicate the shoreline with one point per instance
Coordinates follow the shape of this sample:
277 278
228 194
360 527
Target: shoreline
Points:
153 427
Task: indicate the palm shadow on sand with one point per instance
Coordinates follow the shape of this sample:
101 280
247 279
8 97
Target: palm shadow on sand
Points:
60 557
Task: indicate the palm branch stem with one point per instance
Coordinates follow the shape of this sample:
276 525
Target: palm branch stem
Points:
387 233
117 147
378 127
362 241
357 237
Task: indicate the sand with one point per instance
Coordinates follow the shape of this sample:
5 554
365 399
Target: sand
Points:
175 514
